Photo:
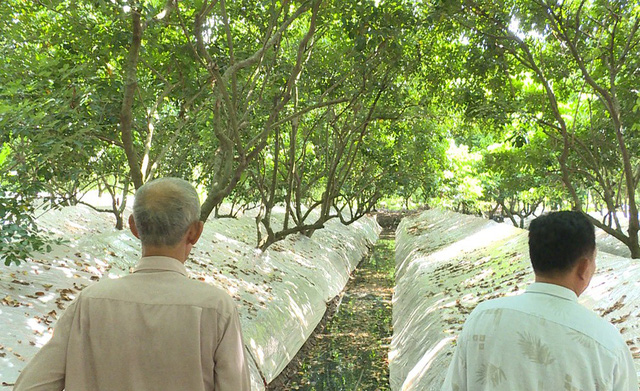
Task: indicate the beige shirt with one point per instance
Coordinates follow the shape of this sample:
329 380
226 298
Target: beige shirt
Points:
155 329
541 340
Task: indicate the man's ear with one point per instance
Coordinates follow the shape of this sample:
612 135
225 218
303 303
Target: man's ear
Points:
132 227
582 269
194 232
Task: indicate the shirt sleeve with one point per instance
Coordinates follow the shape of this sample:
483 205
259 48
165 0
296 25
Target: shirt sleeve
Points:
230 366
626 377
46 371
456 378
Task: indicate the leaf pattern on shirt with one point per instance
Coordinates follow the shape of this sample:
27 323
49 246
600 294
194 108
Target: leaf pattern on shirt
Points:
582 339
496 313
489 373
557 307
568 384
602 386
534 349
463 364
542 386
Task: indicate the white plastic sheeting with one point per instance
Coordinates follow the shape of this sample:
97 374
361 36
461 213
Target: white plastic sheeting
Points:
446 263
281 293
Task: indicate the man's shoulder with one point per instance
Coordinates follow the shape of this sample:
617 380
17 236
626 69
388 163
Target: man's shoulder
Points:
492 308
202 290
499 303
179 291
567 314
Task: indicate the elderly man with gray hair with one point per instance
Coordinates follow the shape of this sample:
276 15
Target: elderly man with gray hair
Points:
155 329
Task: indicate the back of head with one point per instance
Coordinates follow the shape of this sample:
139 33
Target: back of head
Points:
164 209
558 240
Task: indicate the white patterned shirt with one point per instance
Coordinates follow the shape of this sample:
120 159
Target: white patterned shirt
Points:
541 340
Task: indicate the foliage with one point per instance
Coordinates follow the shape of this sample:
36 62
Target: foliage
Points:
462 188
547 69
271 103
19 234
521 178
326 105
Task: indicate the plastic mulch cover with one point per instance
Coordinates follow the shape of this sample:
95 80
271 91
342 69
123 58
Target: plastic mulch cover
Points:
446 263
281 294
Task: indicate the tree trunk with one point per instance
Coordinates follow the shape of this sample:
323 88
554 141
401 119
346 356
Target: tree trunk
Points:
126 115
634 246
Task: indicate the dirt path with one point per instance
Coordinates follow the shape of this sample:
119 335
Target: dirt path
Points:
351 352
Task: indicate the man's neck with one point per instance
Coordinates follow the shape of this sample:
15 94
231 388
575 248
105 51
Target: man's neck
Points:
560 281
171 252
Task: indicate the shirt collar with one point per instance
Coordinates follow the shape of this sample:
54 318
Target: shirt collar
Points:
159 263
552 290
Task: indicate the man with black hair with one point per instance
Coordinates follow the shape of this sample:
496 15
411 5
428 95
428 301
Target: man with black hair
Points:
543 339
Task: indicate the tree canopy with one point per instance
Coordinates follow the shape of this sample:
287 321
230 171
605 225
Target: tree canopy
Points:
501 108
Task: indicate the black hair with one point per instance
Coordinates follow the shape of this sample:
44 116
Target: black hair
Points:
557 240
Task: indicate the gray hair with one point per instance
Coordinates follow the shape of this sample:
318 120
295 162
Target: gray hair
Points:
164 209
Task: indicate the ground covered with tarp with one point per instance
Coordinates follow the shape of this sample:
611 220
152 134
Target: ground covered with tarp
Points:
446 263
281 293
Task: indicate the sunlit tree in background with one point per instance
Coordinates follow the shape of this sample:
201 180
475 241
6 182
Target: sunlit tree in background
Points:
323 105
